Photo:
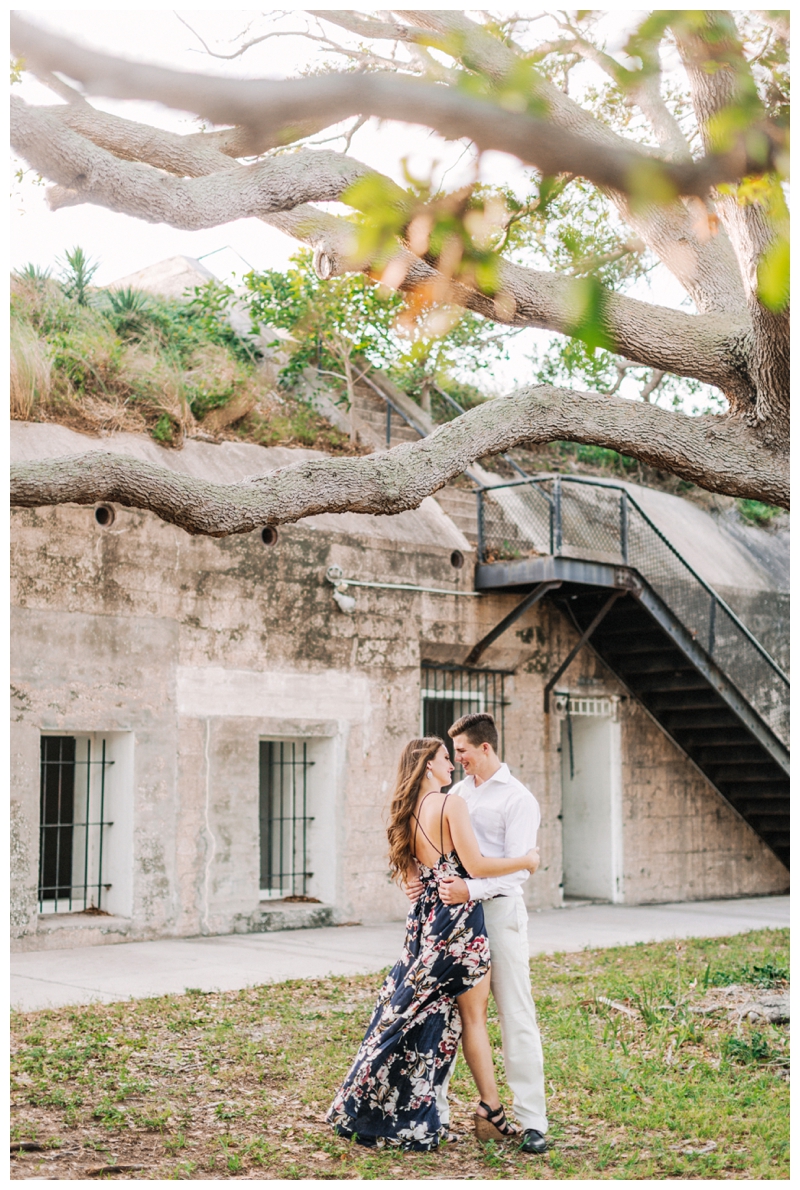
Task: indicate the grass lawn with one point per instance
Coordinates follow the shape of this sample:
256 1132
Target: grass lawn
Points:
667 1082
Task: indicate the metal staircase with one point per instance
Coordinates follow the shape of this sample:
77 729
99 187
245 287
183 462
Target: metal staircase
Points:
667 636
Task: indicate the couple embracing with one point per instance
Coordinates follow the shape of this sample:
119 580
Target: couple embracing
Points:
462 858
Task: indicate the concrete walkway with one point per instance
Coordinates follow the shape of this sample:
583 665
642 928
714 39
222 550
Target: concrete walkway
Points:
50 979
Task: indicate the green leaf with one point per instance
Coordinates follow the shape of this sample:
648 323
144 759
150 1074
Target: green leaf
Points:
589 300
773 276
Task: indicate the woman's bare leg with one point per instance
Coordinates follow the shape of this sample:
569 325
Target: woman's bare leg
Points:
473 1006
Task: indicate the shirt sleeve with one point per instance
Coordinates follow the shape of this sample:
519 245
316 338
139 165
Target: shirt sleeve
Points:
521 827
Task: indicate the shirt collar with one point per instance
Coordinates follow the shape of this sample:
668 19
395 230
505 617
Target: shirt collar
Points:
502 776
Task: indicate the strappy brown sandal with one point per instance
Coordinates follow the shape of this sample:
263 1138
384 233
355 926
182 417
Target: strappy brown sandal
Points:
494 1125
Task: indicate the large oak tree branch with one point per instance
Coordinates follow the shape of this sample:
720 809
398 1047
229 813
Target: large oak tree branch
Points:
668 339
707 270
716 94
92 174
720 453
262 107
704 265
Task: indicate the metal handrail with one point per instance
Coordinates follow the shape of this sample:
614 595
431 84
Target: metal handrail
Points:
384 397
528 480
513 483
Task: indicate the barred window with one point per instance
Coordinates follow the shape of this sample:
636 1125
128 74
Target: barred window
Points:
450 691
73 825
284 821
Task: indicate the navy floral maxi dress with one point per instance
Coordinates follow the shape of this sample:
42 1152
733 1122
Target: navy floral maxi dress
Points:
389 1094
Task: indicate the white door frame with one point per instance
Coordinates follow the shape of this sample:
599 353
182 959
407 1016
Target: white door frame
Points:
605 707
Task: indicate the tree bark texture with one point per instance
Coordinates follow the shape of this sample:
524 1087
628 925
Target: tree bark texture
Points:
265 109
720 453
86 155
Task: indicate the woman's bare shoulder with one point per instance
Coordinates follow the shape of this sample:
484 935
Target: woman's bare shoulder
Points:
455 805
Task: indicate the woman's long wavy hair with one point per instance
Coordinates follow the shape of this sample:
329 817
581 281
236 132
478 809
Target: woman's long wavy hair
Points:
410 775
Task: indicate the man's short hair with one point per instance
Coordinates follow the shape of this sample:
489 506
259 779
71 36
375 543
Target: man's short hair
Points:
479 728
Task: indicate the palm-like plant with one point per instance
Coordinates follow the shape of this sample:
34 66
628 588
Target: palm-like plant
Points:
77 270
33 272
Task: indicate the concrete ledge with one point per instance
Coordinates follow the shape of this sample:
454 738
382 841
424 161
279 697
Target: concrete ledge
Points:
63 931
282 915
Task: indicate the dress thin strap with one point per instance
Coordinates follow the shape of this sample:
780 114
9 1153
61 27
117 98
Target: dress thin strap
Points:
422 828
441 827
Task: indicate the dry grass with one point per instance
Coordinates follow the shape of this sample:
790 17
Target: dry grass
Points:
31 372
235 1085
154 372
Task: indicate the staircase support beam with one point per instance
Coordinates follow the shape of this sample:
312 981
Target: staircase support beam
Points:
601 615
535 595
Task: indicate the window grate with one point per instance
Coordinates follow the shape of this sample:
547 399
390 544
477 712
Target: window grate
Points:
72 825
283 817
450 691
577 704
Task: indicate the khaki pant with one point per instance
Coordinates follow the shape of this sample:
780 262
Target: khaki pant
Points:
507 929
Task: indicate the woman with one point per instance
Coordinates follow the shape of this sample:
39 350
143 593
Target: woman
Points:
439 988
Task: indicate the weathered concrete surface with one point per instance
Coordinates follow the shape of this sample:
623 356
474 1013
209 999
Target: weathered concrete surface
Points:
226 963
189 651
168 278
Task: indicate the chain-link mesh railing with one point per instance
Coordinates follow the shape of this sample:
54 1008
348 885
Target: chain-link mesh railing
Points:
577 518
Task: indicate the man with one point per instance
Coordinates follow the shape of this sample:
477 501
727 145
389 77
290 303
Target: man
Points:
505 817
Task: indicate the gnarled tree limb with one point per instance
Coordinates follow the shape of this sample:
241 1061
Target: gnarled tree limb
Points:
749 227
91 174
264 107
721 453
706 267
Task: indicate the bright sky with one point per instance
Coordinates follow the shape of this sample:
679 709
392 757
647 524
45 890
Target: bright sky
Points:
124 245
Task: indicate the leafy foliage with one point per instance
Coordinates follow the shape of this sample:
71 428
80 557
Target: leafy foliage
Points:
106 360
324 322
757 513
569 226
349 318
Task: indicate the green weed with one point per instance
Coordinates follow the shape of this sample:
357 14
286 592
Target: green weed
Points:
756 513
755 1048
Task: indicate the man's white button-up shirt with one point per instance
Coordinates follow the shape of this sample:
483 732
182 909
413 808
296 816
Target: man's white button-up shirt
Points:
505 817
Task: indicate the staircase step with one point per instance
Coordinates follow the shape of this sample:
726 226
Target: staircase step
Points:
727 754
622 628
682 700
685 679
634 645
767 821
743 774
743 791
668 662
462 508
717 717
769 798
725 736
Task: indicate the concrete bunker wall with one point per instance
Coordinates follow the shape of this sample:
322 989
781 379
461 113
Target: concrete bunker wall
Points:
200 648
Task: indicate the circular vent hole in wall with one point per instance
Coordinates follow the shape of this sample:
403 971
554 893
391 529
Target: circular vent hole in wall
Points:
457 559
104 515
269 535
